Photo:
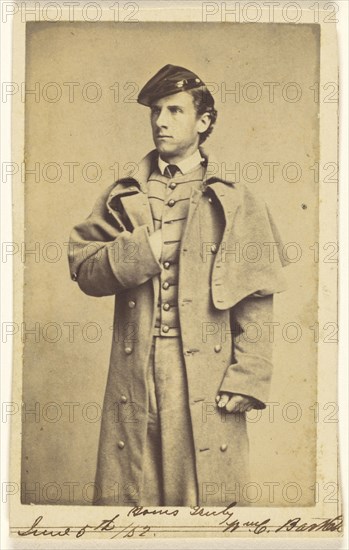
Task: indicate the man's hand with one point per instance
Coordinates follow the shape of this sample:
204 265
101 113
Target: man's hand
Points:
156 243
235 403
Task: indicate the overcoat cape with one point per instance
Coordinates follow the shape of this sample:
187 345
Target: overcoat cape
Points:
230 266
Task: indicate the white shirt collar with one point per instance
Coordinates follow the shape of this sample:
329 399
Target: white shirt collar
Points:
186 165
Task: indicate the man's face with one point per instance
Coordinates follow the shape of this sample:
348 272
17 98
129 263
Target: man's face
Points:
176 126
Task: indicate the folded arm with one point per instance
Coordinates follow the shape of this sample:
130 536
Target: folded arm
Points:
106 258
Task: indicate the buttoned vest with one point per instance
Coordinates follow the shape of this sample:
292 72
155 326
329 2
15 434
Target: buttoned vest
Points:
169 198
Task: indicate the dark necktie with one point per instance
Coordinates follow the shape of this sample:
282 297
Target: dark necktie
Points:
171 170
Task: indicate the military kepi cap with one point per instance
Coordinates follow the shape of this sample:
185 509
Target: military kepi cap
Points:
169 80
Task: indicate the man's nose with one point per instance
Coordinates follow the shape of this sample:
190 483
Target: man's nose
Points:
162 119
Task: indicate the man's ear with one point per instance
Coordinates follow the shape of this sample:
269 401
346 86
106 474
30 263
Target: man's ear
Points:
204 122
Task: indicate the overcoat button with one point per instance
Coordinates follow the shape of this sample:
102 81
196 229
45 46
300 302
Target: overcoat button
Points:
123 399
166 285
165 328
74 276
214 249
131 304
171 202
224 447
210 200
166 307
167 265
121 444
128 350
173 185
218 348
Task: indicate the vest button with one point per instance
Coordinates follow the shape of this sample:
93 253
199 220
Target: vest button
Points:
172 185
167 265
74 276
121 444
223 447
210 200
131 304
214 249
218 348
166 307
123 399
171 203
165 328
166 285
128 350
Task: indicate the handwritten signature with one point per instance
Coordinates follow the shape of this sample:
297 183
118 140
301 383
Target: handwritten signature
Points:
228 522
258 527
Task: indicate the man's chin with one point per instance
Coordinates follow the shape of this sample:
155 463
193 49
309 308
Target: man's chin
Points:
164 149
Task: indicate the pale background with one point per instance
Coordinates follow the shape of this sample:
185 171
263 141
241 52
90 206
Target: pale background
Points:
59 454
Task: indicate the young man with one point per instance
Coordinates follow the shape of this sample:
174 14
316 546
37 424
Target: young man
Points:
192 259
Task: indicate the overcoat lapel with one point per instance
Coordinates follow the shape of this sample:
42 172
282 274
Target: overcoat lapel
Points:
137 209
132 193
224 195
194 201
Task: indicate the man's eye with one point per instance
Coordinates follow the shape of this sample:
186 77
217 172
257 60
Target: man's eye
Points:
175 109
155 110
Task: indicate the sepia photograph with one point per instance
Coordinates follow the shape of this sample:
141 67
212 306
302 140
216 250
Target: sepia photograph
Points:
175 258
193 261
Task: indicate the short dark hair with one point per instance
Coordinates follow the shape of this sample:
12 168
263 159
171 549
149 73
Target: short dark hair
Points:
204 103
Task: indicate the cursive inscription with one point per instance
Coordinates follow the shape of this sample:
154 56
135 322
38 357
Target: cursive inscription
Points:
141 511
35 532
297 525
227 519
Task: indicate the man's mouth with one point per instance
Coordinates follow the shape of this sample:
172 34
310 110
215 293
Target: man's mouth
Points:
163 136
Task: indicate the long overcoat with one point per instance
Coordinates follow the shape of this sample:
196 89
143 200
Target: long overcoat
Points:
230 266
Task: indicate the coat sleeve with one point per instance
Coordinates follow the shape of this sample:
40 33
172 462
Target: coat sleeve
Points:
105 257
251 372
